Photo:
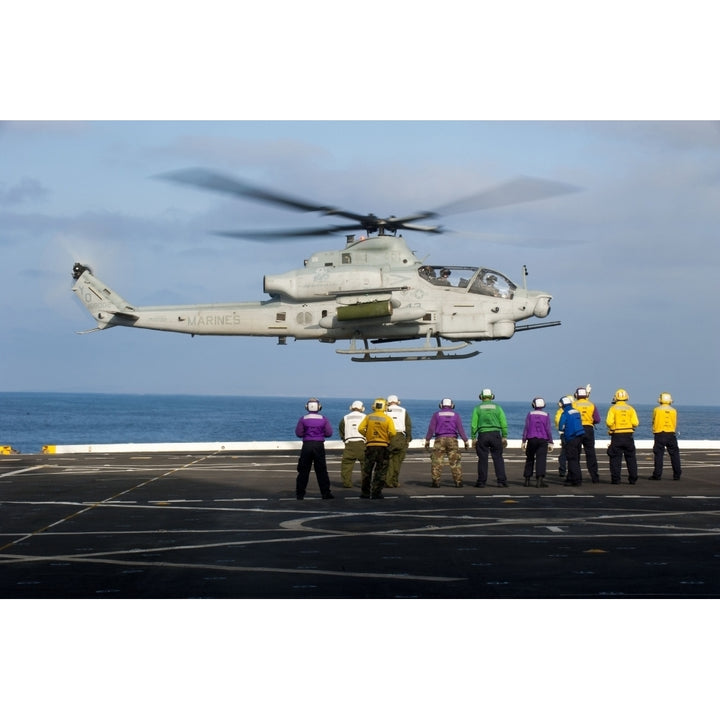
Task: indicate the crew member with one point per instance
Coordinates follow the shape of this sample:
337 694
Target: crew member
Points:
590 418
444 278
664 424
445 426
378 429
488 428
537 439
571 427
354 450
313 428
400 440
621 422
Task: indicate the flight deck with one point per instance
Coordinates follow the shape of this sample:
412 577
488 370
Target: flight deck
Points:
225 524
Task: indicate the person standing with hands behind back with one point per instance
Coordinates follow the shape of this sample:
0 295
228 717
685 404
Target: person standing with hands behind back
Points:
313 428
621 422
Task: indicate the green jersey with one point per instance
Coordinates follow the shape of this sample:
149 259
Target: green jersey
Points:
488 417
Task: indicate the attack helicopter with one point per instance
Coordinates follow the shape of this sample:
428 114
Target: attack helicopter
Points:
373 292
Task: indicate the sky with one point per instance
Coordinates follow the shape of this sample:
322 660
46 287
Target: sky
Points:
630 259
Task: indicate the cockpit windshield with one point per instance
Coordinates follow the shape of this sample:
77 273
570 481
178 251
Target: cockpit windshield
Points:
473 279
491 282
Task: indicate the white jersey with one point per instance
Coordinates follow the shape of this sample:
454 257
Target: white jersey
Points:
352 420
398 414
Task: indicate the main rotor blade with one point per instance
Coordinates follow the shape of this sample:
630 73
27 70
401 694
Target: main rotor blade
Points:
211 180
520 190
287 234
224 183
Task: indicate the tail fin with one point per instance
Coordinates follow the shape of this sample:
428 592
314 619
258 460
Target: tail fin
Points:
104 304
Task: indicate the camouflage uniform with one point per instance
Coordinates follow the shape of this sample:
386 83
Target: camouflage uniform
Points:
445 426
446 447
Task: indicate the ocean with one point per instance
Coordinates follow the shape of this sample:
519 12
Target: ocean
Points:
28 421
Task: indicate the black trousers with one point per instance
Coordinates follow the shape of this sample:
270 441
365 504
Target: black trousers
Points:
666 441
622 445
489 444
375 467
312 453
536 455
588 444
572 454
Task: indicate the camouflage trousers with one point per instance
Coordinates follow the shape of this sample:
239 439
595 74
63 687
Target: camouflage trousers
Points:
446 447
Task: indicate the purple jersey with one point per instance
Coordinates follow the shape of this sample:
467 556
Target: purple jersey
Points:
537 425
446 423
313 427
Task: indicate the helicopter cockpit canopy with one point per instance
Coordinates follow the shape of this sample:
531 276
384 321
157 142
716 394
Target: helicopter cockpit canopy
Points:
482 281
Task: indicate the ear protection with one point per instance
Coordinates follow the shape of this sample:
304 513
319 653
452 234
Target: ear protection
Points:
487 394
446 402
313 405
538 403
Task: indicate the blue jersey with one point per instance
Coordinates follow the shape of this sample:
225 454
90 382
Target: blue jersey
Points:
570 424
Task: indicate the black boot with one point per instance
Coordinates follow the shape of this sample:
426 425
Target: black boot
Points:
541 481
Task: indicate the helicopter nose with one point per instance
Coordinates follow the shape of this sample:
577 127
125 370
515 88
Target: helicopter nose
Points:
542 306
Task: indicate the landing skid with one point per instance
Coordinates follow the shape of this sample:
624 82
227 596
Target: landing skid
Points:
426 352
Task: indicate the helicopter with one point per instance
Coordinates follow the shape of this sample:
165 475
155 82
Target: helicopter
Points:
373 292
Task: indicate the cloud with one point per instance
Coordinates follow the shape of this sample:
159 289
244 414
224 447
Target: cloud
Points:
25 190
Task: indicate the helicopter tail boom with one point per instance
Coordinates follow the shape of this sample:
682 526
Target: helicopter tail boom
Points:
104 304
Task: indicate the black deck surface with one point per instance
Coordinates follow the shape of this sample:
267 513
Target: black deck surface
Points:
228 526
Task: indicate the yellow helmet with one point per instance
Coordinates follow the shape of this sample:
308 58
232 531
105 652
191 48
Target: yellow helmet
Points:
621 395
379 404
665 398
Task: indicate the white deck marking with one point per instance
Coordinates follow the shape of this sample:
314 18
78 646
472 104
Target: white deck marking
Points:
102 502
27 469
231 568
